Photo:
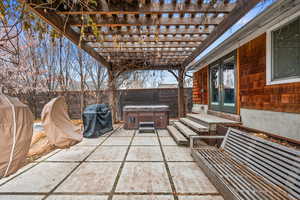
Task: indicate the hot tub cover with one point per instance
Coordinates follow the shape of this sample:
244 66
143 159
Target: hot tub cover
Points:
59 129
97 120
16 126
146 108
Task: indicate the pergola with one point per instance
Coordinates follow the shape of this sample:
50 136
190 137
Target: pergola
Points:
142 34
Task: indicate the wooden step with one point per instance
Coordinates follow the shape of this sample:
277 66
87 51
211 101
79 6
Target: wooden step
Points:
177 136
210 119
194 125
186 131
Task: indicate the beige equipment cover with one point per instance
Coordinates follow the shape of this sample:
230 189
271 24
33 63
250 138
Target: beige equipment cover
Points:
16 124
60 131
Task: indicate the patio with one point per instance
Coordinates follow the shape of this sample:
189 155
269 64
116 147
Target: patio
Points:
120 165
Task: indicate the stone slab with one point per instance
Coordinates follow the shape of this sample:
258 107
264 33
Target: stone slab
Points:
147 153
123 133
77 197
204 197
2 180
117 141
41 178
76 153
166 141
143 197
151 141
145 134
91 177
176 153
108 153
163 133
91 141
144 177
43 158
189 178
21 197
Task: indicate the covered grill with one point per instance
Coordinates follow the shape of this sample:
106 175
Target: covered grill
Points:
96 120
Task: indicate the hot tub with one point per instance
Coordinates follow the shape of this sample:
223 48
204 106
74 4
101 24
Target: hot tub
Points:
134 114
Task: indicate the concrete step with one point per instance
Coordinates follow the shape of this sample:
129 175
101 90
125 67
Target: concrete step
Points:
177 136
194 125
186 131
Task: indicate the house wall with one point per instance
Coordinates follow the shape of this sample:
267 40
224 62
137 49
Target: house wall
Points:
270 108
200 91
254 93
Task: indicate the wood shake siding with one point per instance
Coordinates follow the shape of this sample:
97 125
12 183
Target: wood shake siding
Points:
254 93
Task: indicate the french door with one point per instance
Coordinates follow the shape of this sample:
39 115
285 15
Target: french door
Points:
223 84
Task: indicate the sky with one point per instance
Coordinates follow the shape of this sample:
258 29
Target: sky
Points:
168 78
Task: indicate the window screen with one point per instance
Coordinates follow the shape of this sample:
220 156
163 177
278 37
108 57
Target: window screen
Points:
286 51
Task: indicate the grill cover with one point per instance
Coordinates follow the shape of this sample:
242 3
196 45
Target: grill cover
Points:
97 120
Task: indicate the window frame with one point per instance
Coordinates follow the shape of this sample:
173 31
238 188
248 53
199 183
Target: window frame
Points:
269 53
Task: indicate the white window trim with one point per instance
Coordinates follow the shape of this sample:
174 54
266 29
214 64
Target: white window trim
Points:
269 53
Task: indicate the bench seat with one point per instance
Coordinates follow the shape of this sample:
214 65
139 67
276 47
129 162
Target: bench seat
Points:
243 172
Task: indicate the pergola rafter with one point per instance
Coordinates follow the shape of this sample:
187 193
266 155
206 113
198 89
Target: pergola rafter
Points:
138 34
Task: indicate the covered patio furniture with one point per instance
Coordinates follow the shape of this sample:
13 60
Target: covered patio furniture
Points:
59 129
15 136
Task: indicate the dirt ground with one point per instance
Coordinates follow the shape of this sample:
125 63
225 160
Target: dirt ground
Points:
40 145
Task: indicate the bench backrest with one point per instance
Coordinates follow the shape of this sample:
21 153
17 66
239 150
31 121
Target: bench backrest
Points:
279 164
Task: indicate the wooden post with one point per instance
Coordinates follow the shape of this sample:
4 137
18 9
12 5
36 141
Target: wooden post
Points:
181 96
112 94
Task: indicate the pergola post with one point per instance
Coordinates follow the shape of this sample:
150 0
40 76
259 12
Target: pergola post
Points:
112 92
181 95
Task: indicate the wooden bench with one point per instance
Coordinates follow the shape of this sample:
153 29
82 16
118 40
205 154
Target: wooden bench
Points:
249 167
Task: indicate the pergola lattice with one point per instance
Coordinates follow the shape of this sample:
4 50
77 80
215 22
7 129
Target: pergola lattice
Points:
142 34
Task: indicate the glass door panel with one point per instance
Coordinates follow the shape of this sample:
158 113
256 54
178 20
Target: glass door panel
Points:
215 87
228 85
223 86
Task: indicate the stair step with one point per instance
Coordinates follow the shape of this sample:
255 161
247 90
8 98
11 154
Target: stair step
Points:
146 123
194 125
186 131
178 137
146 129
210 119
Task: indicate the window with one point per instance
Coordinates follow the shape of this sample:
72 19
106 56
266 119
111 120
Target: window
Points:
283 64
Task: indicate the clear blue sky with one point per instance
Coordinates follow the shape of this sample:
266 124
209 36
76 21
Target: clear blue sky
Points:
244 20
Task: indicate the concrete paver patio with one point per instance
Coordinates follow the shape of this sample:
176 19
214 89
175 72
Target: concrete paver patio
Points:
123 165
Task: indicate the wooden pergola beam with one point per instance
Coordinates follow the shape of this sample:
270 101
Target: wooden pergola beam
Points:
243 6
133 67
178 31
182 52
150 46
166 39
155 9
204 21
58 24
163 54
